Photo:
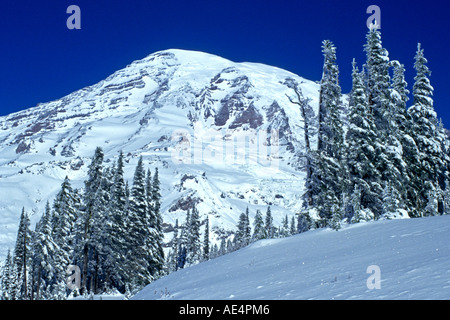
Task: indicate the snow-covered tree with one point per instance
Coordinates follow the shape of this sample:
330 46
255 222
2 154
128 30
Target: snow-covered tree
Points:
7 278
138 232
259 231
243 233
361 146
156 237
22 257
269 224
193 245
425 127
206 246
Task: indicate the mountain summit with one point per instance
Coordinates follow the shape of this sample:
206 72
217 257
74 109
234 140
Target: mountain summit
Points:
224 136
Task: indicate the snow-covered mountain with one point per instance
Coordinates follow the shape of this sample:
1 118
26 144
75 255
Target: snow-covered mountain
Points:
387 259
224 136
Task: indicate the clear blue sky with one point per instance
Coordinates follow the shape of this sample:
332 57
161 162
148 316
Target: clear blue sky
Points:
41 60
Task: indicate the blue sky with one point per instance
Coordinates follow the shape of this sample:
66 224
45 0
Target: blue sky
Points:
42 60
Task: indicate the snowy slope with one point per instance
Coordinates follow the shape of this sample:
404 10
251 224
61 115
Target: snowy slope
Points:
412 255
155 107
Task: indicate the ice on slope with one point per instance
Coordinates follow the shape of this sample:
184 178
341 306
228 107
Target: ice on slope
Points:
413 256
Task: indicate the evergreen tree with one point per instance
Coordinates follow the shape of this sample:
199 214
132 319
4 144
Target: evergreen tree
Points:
304 221
117 228
380 105
361 155
138 232
425 127
269 224
193 245
62 223
206 253
284 230
259 231
85 219
243 234
156 234
22 257
293 227
173 259
183 241
7 278
330 172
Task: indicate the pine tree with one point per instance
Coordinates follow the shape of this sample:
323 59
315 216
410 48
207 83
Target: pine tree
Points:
155 220
243 234
259 231
117 228
304 221
183 242
138 232
172 263
64 213
330 171
378 80
85 219
193 245
49 261
22 257
380 105
425 127
7 278
402 146
361 154
269 224
284 230
206 249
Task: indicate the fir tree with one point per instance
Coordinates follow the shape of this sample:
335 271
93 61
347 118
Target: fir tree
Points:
156 235
330 172
193 245
22 257
361 155
206 249
269 224
64 213
259 231
7 278
117 228
138 232
85 218
425 126
243 233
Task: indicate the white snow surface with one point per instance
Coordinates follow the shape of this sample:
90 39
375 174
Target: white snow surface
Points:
412 256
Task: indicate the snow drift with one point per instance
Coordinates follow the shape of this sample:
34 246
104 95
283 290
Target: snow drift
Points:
411 256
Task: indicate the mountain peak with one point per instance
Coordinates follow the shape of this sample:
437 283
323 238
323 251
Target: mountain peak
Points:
144 109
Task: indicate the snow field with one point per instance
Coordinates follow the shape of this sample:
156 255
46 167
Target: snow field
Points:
412 256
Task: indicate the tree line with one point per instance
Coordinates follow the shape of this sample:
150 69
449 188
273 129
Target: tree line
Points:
378 158
187 247
110 231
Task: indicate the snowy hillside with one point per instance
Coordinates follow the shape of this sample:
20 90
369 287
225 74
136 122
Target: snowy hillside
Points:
181 111
412 256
